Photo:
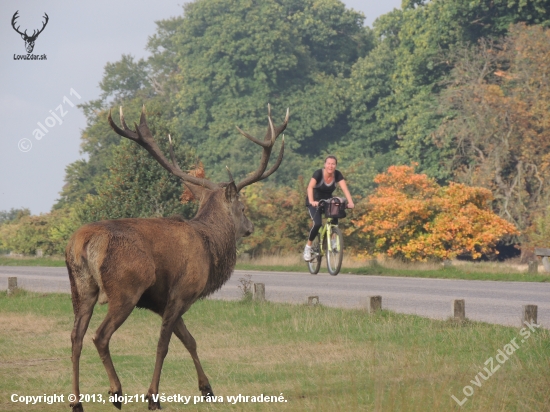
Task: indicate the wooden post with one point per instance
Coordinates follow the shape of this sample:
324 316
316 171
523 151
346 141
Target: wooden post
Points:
375 303
259 292
544 253
530 313
313 300
533 266
459 309
12 285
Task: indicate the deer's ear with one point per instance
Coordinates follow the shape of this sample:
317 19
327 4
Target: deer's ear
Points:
231 192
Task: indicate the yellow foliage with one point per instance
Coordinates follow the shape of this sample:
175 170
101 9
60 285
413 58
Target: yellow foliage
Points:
410 216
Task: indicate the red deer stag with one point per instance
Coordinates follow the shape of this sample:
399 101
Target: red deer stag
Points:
162 264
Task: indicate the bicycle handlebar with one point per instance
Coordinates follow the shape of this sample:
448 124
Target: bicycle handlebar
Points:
323 201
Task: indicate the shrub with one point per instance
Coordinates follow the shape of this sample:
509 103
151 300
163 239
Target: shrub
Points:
411 217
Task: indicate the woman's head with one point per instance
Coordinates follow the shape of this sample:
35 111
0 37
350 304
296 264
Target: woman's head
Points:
331 157
330 163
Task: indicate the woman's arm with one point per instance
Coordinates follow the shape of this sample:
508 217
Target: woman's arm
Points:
344 187
310 187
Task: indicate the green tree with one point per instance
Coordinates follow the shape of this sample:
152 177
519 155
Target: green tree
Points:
49 232
13 214
233 58
280 219
124 82
137 185
393 90
217 67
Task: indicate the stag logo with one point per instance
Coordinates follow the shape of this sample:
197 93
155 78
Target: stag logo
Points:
29 40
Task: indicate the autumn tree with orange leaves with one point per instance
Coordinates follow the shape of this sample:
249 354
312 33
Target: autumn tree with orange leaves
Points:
411 217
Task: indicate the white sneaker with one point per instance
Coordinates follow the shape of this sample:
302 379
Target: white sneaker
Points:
307 253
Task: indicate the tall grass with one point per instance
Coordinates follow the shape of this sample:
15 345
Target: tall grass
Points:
319 358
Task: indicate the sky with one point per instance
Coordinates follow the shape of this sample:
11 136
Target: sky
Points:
40 119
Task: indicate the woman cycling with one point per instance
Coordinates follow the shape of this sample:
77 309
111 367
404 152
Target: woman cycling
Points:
320 187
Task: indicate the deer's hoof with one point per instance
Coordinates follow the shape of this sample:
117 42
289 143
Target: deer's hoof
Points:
77 407
207 391
153 406
117 404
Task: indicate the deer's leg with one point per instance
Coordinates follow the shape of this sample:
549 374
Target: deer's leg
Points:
180 330
171 314
116 315
81 322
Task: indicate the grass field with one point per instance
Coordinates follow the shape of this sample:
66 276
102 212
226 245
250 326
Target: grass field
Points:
54 261
319 358
459 269
293 263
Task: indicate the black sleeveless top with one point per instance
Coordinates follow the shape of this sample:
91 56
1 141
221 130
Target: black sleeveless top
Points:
321 190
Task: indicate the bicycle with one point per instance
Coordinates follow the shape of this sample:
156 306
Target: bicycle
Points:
333 250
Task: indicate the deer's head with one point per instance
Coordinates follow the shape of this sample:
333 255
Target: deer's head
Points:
29 40
223 197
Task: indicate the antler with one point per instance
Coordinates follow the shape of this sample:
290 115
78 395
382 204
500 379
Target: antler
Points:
15 16
267 144
142 136
34 34
43 27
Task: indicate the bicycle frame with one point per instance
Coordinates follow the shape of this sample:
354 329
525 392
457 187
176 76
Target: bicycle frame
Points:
325 231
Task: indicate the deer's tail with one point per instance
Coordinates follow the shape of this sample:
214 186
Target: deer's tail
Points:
83 257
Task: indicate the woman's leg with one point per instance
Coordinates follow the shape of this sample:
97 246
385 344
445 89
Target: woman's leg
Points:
317 218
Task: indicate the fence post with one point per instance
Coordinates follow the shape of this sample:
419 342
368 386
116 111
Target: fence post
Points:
12 285
459 309
530 313
375 303
259 292
313 300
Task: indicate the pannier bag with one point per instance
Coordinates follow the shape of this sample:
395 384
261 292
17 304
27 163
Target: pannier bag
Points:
335 208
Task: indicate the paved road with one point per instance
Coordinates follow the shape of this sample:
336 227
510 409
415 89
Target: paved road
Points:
493 302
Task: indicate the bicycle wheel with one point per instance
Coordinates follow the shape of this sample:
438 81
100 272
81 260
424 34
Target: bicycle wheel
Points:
335 254
315 264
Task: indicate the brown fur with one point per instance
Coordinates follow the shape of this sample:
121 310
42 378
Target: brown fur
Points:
164 265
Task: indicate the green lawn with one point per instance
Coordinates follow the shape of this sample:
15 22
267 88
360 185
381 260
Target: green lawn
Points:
318 358
463 272
32 261
467 271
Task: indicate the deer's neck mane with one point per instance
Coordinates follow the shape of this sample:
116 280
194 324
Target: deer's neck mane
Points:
217 230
